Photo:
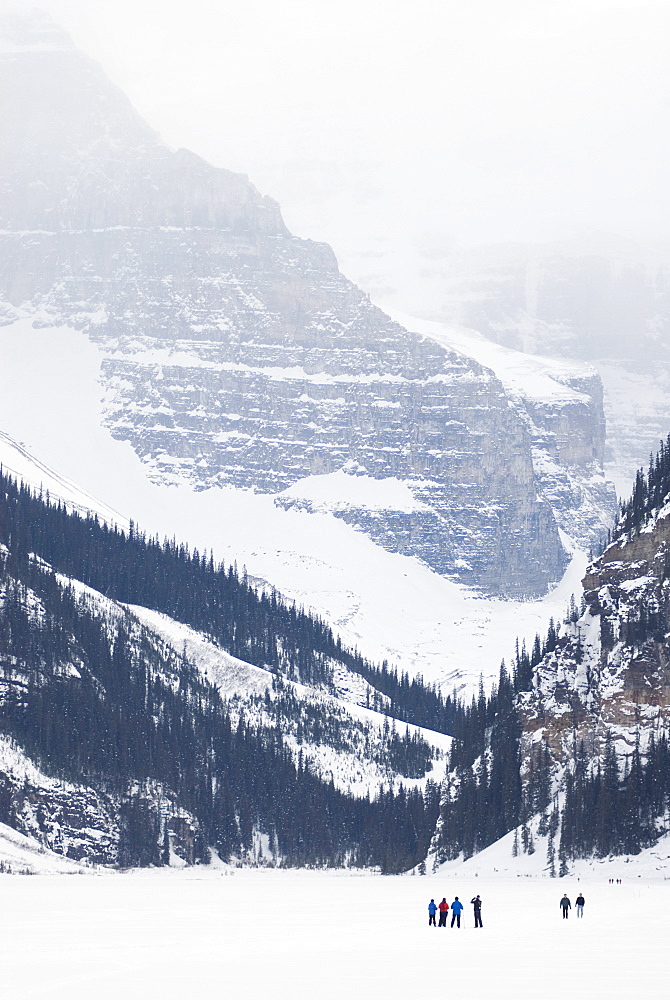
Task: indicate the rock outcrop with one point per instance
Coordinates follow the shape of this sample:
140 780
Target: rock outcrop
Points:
610 671
82 823
598 299
568 445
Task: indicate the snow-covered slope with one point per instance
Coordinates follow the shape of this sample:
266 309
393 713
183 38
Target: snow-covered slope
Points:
40 478
391 607
591 715
22 855
358 766
87 648
57 827
498 861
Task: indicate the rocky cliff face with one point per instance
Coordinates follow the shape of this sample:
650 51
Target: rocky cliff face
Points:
237 355
599 299
611 668
568 434
560 403
79 822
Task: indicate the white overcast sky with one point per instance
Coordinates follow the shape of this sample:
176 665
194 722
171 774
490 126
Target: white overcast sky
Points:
428 120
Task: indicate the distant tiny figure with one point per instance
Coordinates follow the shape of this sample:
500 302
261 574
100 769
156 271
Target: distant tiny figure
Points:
456 910
432 910
477 903
444 906
565 905
579 902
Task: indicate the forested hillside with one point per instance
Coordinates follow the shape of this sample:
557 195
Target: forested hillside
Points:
188 586
95 698
573 753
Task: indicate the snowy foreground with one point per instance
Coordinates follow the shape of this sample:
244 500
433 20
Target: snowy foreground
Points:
206 934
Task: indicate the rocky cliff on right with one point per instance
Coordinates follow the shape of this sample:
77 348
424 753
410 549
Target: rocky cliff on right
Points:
610 669
569 755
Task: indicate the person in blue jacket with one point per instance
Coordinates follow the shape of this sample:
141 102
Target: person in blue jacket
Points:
456 910
432 910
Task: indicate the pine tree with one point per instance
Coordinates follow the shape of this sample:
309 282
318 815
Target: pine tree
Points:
166 856
551 857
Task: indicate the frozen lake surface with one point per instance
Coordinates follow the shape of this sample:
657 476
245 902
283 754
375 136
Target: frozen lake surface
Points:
202 934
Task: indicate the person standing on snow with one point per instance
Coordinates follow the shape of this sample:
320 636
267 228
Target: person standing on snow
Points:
580 905
456 910
477 903
444 906
432 910
565 905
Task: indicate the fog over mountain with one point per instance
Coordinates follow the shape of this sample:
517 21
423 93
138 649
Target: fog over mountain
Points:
598 298
405 138
370 123
234 354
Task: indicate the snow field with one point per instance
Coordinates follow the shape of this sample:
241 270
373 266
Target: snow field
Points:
200 934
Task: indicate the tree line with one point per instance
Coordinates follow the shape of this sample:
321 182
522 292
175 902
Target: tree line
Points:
257 627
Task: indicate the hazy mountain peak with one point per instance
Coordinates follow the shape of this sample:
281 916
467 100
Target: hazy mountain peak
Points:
294 373
78 156
32 30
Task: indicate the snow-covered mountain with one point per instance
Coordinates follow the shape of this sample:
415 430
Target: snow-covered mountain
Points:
234 354
17 462
167 344
598 299
561 404
610 671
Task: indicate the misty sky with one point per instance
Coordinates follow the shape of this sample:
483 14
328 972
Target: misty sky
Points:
429 121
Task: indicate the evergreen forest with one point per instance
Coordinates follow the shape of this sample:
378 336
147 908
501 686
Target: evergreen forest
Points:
95 699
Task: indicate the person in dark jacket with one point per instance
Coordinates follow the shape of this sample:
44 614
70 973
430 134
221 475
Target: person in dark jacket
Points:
432 910
444 907
477 903
579 902
565 905
456 910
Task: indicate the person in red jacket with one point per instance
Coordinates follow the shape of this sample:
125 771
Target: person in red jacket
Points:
444 906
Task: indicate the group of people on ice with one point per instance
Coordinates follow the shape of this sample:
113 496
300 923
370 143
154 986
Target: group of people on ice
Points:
456 910
566 905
